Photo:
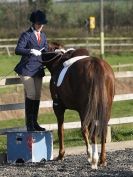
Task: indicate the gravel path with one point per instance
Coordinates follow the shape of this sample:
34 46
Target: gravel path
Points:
120 163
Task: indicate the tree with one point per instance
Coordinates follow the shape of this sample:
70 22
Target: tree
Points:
44 5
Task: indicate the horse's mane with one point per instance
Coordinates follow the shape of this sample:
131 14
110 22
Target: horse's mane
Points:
52 46
80 52
74 53
58 58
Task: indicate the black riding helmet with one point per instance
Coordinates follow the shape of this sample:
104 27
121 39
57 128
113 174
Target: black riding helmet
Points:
38 17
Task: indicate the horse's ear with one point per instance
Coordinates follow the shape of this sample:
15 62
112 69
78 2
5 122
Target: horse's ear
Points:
52 46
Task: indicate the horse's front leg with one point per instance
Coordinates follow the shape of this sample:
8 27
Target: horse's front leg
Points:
60 119
61 139
95 156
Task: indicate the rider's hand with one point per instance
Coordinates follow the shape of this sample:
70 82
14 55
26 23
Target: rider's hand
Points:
60 51
35 52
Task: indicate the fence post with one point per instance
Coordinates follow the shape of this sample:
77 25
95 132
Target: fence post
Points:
108 138
8 52
118 67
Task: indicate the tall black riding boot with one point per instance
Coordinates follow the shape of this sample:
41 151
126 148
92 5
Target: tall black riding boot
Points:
29 114
36 109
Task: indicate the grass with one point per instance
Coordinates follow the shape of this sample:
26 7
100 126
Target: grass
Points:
119 109
119 59
10 89
122 132
7 64
122 109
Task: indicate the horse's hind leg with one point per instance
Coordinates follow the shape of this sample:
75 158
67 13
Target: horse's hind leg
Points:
85 135
95 156
102 160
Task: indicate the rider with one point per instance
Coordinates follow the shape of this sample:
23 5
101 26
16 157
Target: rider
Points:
29 68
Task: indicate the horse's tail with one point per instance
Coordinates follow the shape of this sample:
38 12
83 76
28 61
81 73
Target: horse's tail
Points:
98 106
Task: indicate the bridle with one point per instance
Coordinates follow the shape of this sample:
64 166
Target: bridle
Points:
52 59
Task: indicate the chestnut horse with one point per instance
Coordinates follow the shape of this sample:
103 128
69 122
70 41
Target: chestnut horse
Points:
87 87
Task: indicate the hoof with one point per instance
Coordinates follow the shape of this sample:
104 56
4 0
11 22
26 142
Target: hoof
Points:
60 156
102 164
94 167
90 160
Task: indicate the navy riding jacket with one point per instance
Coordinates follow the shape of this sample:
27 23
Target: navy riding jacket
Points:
29 64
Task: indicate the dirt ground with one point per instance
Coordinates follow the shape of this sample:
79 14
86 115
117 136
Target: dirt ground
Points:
75 164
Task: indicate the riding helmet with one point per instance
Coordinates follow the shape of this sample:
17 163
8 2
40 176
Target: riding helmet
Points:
38 17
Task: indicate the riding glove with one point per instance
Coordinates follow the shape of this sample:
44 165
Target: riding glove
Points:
35 52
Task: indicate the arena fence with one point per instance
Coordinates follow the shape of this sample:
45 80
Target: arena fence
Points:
112 44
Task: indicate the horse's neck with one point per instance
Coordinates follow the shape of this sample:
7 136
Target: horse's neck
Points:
54 67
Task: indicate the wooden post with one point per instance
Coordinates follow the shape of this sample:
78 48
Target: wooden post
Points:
101 30
8 52
108 138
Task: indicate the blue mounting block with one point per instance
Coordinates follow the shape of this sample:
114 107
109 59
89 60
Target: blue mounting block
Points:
26 146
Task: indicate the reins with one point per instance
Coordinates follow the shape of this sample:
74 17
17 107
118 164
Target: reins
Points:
45 61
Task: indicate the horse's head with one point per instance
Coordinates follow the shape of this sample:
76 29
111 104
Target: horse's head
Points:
55 56
52 46
52 60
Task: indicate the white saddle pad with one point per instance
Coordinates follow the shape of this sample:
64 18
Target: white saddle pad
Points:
66 65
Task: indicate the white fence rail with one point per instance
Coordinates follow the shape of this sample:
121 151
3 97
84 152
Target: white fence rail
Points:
16 80
71 125
49 103
111 44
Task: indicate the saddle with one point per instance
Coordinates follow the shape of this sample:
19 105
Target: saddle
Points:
66 66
